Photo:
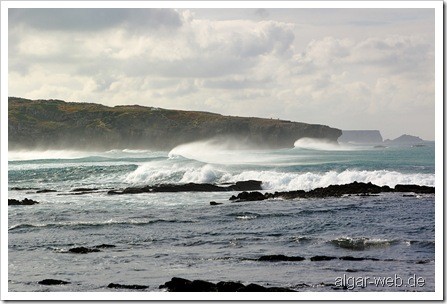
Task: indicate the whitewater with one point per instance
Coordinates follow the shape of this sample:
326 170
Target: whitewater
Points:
157 236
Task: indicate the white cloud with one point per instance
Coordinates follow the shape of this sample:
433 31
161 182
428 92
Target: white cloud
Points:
257 67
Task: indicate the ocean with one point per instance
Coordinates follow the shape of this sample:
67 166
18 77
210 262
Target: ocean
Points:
157 236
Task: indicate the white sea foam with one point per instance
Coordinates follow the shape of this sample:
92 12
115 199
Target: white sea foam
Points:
272 180
311 180
322 144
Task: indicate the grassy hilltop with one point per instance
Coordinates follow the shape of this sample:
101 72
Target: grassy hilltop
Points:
58 124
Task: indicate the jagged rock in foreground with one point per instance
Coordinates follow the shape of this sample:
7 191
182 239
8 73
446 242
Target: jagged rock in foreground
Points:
53 282
280 257
354 188
25 202
83 250
123 286
192 187
76 125
184 285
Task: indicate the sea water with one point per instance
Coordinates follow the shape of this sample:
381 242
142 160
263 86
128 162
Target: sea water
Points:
158 236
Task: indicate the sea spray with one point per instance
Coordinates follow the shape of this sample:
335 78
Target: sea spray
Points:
322 144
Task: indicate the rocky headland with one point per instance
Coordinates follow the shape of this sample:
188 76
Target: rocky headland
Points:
57 124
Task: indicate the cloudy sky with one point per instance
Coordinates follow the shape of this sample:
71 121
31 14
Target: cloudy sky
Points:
346 68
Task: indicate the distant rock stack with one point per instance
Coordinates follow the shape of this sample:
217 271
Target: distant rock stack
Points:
361 137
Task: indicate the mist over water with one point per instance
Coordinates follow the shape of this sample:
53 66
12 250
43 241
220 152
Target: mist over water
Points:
322 144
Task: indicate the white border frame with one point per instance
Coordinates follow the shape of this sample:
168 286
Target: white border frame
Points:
439 136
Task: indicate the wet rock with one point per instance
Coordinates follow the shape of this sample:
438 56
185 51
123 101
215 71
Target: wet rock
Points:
46 191
322 258
203 286
354 188
84 189
184 285
25 202
423 262
229 286
23 188
122 286
414 189
280 257
83 250
351 270
105 246
253 288
351 258
213 203
177 285
53 282
249 196
249 185
192 187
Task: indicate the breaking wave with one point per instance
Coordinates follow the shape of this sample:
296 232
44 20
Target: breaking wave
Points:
362 243
272 180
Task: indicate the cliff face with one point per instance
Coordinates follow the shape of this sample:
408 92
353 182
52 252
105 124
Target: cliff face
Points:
58 124
361 136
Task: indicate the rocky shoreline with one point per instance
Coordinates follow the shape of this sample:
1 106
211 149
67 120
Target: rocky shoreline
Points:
354 188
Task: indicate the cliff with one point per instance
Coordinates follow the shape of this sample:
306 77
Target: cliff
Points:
58 124
361 136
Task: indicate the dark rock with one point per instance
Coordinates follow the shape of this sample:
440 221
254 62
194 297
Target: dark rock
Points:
253 288
351 258
105 246
177 285
351 270
354 188
122 286
136 190
414 189
249 185
83 250
423 262
53 282
25 202
191 187
84 189
229 286
45 191
23 188
111 192
184 285
280 257
322 258
203 286
213 203
250 196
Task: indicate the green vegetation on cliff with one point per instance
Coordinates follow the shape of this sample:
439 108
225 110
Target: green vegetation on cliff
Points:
62 125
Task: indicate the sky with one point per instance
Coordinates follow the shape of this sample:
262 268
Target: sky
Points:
349 68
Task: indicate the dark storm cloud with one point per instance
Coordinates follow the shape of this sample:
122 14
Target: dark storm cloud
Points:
92 19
